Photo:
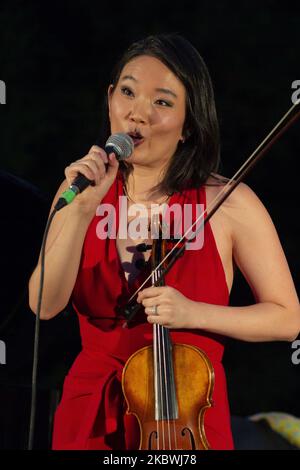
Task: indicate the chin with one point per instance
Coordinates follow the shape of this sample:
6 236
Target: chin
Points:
137 157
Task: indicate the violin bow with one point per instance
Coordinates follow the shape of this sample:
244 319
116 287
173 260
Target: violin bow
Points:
283 124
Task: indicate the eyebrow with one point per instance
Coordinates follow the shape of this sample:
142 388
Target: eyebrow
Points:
160 90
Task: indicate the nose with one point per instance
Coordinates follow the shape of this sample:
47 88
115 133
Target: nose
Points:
140 113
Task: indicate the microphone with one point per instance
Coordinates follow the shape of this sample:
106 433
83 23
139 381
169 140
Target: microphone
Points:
120 144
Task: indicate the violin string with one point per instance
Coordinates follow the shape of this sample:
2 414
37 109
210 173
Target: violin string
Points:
162 360
162 348
156 382
166 383
164 370
158 378
173 421
161 407
216 199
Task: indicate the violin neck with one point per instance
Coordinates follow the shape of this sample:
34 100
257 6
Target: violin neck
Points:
166 407
164 384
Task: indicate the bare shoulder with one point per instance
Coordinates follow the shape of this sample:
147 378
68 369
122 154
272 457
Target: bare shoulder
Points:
216 182
254 243
242 198
245 218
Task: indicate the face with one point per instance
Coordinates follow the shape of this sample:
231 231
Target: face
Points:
149 99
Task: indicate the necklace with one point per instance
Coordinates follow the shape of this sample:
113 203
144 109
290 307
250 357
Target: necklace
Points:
162 224
140 203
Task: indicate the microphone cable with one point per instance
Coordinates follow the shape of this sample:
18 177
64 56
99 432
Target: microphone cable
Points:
37 336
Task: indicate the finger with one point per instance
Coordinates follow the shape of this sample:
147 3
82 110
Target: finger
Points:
150 292
154 312
100 163
88 168
150 311
97 156
97 149
151 302
96 169
72 171
155 319
113 165
112 160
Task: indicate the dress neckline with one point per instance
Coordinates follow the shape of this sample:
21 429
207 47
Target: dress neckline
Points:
175 198
188 195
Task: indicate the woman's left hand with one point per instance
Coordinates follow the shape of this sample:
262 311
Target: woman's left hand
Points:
173 309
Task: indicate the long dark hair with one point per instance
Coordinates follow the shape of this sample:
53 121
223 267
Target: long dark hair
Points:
199 156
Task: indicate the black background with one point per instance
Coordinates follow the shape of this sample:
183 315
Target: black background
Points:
56 60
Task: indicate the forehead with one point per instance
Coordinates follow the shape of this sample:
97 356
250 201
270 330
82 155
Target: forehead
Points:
152 71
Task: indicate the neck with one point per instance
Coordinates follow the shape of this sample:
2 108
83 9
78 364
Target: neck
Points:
140 184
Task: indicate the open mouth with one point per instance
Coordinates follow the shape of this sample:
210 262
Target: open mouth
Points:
136 137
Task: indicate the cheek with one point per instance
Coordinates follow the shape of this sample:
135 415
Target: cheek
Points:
117 110
171 125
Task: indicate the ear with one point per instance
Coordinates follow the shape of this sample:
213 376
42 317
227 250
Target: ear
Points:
109 95
186 135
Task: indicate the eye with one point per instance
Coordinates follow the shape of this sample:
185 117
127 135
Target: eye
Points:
164 103
126 91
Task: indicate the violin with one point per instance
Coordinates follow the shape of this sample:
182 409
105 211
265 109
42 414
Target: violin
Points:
168 387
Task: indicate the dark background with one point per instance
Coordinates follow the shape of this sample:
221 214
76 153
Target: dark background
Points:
56 61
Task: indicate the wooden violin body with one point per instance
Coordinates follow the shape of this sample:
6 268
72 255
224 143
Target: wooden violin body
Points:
180 424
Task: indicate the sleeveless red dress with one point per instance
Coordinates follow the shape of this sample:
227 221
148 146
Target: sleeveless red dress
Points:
92 411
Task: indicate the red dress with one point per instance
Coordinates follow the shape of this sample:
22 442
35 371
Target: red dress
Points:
92 411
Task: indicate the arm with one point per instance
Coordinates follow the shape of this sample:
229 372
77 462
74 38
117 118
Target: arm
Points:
258 254
62 258
67 232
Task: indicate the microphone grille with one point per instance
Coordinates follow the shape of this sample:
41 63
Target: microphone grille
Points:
121 144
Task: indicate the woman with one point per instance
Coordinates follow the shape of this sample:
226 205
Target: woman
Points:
161 95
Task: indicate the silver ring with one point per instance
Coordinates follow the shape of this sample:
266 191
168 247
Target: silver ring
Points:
154 310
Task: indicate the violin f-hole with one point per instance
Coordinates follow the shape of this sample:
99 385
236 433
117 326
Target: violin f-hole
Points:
153 436
184 432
